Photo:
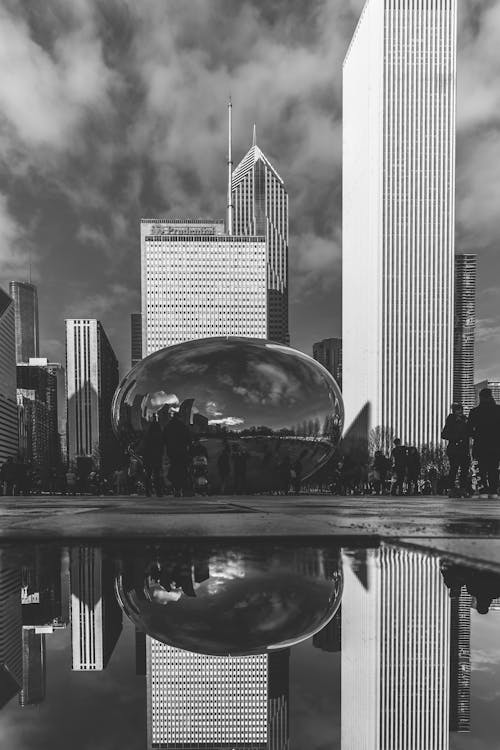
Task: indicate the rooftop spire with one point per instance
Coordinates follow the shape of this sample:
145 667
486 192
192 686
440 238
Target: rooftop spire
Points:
254 138
229 220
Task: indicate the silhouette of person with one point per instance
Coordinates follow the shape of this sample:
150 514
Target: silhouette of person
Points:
240 459
153 458
224 467
413 470
8 475
456 432
381 466
398 455
178 442
484 426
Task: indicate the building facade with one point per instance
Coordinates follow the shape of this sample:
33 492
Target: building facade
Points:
46 380
198 282
96 619
135 338
460 664
25 298
91 381
8 399
34 667
200 701
399 81
188 694
493 385
464 330
33 429
395 616
328 352
260 207
11 623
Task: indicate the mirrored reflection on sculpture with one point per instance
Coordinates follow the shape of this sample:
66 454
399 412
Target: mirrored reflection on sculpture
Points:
243 415
230 598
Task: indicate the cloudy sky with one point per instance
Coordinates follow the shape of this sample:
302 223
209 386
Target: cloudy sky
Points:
111 110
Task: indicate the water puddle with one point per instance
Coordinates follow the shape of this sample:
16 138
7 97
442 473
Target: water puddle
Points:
246 644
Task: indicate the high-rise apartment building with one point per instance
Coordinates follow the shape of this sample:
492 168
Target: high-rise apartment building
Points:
25 299
135 338
198 282
33 429
399 81
328 352
460 666
45 381
493 385
91 381
260 207
201 701
464 330
8 400
395 662
96 619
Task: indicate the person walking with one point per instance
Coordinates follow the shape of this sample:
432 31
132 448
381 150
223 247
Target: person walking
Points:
399 457
413 470
456 432
484 427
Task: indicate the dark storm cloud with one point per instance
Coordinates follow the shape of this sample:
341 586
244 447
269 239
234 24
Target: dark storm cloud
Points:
113 110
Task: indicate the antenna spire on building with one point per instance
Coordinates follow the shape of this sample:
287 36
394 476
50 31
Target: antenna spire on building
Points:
229 227
254 138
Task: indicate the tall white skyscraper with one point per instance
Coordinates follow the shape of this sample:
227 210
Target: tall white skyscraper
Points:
196 700
8 397
395 652
96 619
399 83
260 207
91 381
199 282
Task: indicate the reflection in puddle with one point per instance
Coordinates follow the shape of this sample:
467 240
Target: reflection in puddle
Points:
388 668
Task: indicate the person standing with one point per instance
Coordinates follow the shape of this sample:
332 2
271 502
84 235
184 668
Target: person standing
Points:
381 466
413 470
178 443
484 427
456 432
399 457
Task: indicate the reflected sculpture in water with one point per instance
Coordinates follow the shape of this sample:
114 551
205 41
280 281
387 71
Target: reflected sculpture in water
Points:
230 599
229 415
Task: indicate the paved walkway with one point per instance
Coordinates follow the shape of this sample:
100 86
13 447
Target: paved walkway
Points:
469 529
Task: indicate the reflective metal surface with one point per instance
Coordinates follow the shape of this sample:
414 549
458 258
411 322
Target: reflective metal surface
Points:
259 416
230 599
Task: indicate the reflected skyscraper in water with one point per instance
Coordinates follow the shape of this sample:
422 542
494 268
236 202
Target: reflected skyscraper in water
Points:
460 666
395 651
11 655
200 701
96 619
34 672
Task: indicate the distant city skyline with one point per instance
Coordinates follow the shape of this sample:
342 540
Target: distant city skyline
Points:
79 175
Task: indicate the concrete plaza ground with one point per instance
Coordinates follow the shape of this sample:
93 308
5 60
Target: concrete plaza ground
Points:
468 530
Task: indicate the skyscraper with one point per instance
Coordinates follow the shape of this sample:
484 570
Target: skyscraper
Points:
96 619
195 700
8 400
203 701
328 352
260 207
25 299
395 662
460 667
464 330
135 338
399 81
91 381
198 282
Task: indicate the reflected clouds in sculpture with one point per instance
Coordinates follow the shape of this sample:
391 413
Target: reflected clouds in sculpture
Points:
269 402
230 598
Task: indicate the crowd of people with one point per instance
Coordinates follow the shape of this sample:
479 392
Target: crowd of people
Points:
172 453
